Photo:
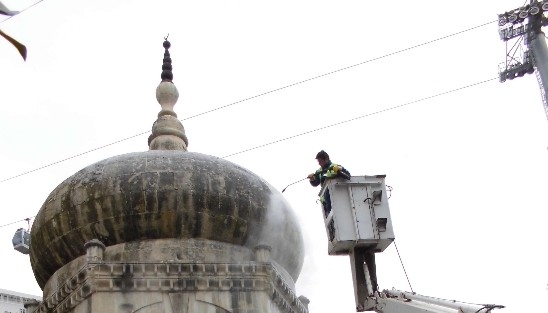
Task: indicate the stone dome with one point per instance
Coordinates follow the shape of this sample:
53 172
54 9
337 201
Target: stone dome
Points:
158 195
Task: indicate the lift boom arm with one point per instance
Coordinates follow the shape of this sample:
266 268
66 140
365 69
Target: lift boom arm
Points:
396 301
358 224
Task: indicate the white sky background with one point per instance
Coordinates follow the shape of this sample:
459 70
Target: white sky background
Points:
469 169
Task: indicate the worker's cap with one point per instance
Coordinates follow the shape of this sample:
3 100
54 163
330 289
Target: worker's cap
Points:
322 155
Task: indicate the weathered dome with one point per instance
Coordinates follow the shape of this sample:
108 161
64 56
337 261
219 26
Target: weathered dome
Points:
162 194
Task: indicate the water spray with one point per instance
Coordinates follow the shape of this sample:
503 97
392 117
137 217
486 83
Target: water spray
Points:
293 183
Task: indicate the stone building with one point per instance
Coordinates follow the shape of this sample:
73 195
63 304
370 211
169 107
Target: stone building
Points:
166 230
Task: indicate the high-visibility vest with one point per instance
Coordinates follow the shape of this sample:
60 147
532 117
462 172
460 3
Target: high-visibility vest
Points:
327 173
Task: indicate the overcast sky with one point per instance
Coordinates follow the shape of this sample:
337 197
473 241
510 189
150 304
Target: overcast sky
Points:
468 169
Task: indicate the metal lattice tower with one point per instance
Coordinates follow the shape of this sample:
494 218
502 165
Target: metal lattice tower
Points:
526 50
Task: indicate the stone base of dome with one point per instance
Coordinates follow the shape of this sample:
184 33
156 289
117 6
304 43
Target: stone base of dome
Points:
163 258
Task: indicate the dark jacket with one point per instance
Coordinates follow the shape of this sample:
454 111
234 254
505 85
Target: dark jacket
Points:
327 172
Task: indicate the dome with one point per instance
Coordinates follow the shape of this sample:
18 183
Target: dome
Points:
162 194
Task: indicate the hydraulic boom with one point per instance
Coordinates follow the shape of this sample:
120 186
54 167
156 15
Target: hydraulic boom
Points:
358 224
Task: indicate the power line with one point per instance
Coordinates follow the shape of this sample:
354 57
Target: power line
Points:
30 6
72 157
25 219
328 126
345 68
335 124
363 116
254 97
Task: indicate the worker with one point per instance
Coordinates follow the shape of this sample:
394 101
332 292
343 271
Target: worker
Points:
327 170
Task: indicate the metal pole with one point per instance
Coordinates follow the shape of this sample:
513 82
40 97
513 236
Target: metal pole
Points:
539 50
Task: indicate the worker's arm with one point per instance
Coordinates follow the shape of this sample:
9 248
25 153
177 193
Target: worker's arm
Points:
345 173
341 171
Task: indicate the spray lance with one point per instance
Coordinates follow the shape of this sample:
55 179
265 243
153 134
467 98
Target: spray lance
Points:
293 183
336 168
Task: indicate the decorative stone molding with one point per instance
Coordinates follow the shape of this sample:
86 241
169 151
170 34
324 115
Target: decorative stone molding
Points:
173 277
69 294
283 295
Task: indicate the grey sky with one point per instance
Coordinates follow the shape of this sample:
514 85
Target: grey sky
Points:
468 169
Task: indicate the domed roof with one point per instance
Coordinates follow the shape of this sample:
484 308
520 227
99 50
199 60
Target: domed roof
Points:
162 194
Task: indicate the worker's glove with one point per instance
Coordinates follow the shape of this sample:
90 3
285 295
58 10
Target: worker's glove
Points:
336 168
310 176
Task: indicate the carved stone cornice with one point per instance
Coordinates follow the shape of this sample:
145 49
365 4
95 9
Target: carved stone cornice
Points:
101 276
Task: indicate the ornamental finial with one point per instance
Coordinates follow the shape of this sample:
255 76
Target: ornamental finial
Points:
168 132
167 73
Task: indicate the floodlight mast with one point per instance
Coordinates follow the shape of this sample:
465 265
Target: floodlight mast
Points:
523 26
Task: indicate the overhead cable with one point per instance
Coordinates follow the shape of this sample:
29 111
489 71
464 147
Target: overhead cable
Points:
25 219
360 117
30 6
343 122
344 68
253 97
71 157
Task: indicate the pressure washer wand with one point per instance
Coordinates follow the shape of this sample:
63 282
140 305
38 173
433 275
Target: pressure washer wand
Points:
293 183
